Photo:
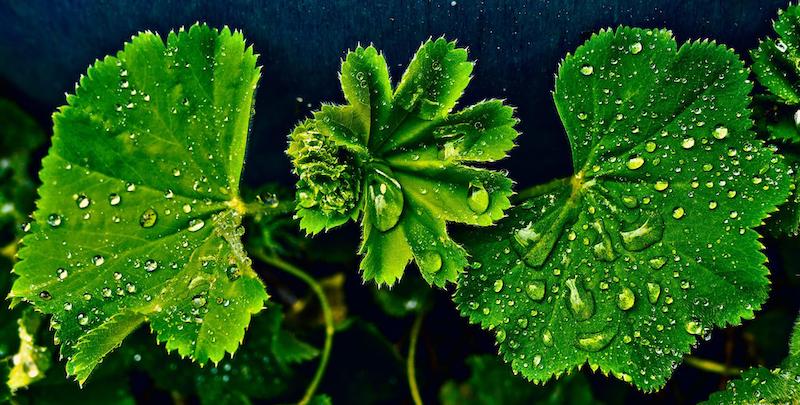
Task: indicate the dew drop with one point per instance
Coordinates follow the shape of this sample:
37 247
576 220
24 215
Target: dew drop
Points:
83 320
678 213
150 265
387 200
594 342
581 301
83 201
148 218
54 220
536 290
62 273
694 328
657 262
661 185
430 261
637 237
98 260
114 199
587 70
199 301
498 285
196 224
626 299
687 143
45 295
653 291
547 337
636 48
477 198
720 132
635 162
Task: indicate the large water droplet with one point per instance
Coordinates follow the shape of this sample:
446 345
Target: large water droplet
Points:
199 301
587 70
430 261
626 299
386 196
114 199
720 132
694 328
635 162
45 295
148 218
498 285
477 198
603 249
581 301
547 337
83 201
594 342
54 220
98 260
196 224
653 291
636 48
535 290
649 230
150 265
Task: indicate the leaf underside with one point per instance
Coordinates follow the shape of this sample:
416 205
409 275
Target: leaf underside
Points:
776 64
412 157
137 220
651 243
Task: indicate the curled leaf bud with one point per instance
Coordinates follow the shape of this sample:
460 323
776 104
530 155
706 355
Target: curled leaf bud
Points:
329 177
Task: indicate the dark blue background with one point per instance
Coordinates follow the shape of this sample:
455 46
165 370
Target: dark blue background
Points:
46 45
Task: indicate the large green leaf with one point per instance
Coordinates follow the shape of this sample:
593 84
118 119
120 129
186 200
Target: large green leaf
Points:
763 386
139 216
776 63
650 245
399 160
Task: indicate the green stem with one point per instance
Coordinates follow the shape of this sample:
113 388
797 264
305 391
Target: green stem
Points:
712 366
326 312
412 352
540 189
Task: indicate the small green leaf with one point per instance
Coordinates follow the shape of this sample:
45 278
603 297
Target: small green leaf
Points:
650 244
776 63
139 217
760 385
399 160
492 382
19 135
31 360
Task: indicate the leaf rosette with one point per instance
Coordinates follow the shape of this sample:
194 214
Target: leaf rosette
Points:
399 160
650 244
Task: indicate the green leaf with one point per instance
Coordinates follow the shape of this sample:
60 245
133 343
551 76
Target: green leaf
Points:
650 244
400 160
776 63
19 135
31 360
761 385
139 216
492 382
262 369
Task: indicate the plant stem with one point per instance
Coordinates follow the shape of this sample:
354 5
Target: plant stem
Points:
412 351
540 189
712 366
326 313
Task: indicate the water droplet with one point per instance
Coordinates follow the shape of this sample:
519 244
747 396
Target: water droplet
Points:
114 199
430 261
477 198
661 185
581 301
83 320
657 262
536 290
62 273
233 272
653 291
626 299
98 260
678 213
636 48
83 201
148 218
587 70
498 285
594 342
45 295
501 336
54 220
694 328
547 337
687 143
635 162
603 249
150 265
637 237
67 306
387 200
196 224
720 132
199 301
